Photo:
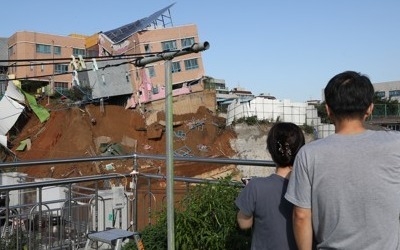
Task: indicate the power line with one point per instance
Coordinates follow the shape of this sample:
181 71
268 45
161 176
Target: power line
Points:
69 72
138 60
102 58
49 61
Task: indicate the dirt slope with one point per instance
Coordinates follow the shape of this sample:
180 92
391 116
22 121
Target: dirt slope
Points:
77 131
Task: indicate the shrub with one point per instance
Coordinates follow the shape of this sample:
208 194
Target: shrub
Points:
308 129
252 120
206 220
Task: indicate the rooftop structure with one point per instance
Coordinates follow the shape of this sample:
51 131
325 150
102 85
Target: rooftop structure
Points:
118 35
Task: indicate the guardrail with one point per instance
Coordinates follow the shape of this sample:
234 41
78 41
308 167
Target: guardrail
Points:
59 213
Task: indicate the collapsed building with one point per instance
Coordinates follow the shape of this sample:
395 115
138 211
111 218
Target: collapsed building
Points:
100 68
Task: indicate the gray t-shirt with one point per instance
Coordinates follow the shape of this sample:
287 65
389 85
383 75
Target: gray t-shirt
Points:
352 185
263 199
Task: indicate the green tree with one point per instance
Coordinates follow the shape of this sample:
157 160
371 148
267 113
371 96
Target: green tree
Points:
385 107
321 111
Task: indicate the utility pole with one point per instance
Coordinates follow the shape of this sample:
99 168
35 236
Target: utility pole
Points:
167 57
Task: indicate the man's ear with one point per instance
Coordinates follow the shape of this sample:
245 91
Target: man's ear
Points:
328 110
369 110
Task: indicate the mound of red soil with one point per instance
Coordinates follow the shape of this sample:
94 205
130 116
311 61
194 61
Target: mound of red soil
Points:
74 131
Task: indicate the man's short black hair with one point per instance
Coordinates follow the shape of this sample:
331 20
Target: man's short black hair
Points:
349 94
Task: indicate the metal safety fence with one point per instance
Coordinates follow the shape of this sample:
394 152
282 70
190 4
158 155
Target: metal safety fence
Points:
52 213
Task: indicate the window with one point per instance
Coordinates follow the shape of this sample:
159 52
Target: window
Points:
61 86
169 45
393 127
92 53
191 64
152 72
175 67
60 68
147 48
394 93
3 84
42 48
11 50
187 42
380 94
2 88
155 90
12 68
77 52
57 50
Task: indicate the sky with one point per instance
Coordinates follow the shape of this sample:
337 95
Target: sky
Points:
285 48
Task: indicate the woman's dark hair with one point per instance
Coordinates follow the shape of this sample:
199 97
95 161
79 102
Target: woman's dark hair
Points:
349 94
283 142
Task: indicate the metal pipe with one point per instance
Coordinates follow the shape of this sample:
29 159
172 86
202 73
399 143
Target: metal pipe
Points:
135 195
56 182
74 180
167 55
190 179
169 149
17 164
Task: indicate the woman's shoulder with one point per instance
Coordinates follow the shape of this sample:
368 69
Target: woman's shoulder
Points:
266 180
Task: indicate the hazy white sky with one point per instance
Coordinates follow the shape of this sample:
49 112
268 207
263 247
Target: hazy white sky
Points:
286 48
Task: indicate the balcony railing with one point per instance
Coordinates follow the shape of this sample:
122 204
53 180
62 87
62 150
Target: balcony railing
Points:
386 111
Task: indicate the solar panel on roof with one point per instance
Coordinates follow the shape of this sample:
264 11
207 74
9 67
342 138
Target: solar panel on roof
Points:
119 34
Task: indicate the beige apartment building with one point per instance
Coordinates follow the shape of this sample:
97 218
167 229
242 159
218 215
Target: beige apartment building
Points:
39 59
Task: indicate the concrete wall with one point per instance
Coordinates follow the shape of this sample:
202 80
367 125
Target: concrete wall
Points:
183 104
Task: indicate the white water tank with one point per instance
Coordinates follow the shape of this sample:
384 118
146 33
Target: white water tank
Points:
51 193
113 209
13 178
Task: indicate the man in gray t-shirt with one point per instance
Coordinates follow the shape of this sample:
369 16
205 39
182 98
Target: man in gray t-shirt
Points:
346 187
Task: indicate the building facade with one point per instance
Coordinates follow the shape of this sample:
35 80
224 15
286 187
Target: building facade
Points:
39 59
388 90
